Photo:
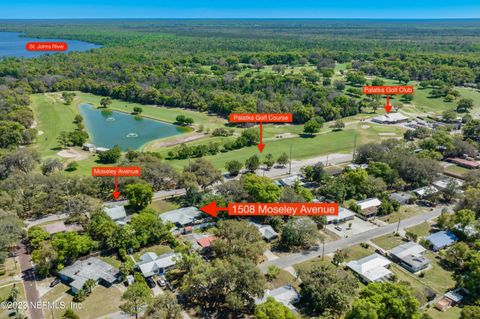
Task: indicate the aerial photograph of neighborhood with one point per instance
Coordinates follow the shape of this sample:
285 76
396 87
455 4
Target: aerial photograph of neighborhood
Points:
239 160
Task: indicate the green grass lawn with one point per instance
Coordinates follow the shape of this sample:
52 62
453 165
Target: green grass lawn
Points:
358 252
416 285
457 170
405 211
307 265
111 260
452 313
437 277
388 241
5 293
101 302
162 206
52 117
157 249
421 230
283 278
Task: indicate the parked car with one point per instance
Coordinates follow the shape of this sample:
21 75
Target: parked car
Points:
151 283
161 282
55 282
339 228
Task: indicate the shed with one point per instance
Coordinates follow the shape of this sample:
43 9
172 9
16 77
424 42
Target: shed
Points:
441 239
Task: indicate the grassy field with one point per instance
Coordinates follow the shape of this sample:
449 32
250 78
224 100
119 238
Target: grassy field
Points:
420 230
283 278
452 313
5 289
438 277
162 206
157 249
358 252
417 286
388 241
405 211
457 170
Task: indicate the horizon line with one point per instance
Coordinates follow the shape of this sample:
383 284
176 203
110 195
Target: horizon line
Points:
240 18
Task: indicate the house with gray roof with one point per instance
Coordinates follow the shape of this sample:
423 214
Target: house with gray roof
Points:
441 239
401 197
372 268
117 213
410 256
287 295
343 216
267 232
150 264
182 217
76 275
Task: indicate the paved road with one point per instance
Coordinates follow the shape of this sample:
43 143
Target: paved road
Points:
45 219
157 195
28 276
331 247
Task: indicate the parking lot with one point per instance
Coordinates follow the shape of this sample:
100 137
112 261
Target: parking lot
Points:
357 226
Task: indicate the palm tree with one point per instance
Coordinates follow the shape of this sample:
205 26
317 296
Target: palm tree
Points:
89 285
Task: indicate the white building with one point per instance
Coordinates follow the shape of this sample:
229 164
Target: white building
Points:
390 118
117 213
267 232
371 268
181 217
425 191
343 216
150 264
410 256
286 295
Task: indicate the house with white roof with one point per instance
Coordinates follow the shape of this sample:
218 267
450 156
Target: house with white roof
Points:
117 213
286 295
267 232
390 118
76 275
291 180
425 191
410 256
343 216
372 268
182 217
150 264
369 207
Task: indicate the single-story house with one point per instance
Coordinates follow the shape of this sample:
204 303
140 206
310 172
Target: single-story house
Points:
267 232
291 180
369 207
425 191
150 264
449 300
410 256
205 243
390 118
444 182
287 295
61 227
441 239
89 147
372 268
357 166
182 217
464 163
343 216
117 213
401 197
92 268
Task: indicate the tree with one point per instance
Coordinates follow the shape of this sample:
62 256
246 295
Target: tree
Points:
70 314
68 97
471 130
164 306
260 189
137 110
72 166
470 312
111 156
272 309
139 195
183 120
299 232
384 301
105 101
233 167
205 173
339 125
272 272
465 105
283 159
269 161
50 165
252 163
89 285
339 257
11 230
311 127
315 173
238 238
137 296
326 289
63 139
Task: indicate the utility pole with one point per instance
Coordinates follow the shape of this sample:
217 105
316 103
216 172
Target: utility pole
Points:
290 162
398 226
354 147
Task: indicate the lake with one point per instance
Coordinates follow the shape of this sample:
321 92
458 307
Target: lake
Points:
107 128
12 44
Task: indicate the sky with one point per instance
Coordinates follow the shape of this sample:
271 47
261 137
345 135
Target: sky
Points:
58 9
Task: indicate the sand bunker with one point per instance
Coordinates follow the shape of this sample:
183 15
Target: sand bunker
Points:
72 154
365 126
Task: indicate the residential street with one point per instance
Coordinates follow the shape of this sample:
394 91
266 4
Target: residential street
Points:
29 283
296 258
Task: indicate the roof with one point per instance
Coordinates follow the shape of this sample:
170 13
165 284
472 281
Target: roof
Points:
390 118
92 268
443 183
181 216
206 242
266 231
464 162
150 263
442 239
371 267
426 190
410 248
116 212
400 197
343 213
286 294
454 295
290 181
60 227
369 203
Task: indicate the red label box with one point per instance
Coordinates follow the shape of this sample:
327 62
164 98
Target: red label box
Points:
261 117
46 46
119 171
283 209
388 90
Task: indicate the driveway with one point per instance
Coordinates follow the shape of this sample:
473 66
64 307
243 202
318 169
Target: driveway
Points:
28 275
296 258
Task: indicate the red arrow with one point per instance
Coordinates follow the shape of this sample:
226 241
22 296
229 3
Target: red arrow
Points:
387 106
260 145
212 209
116 193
